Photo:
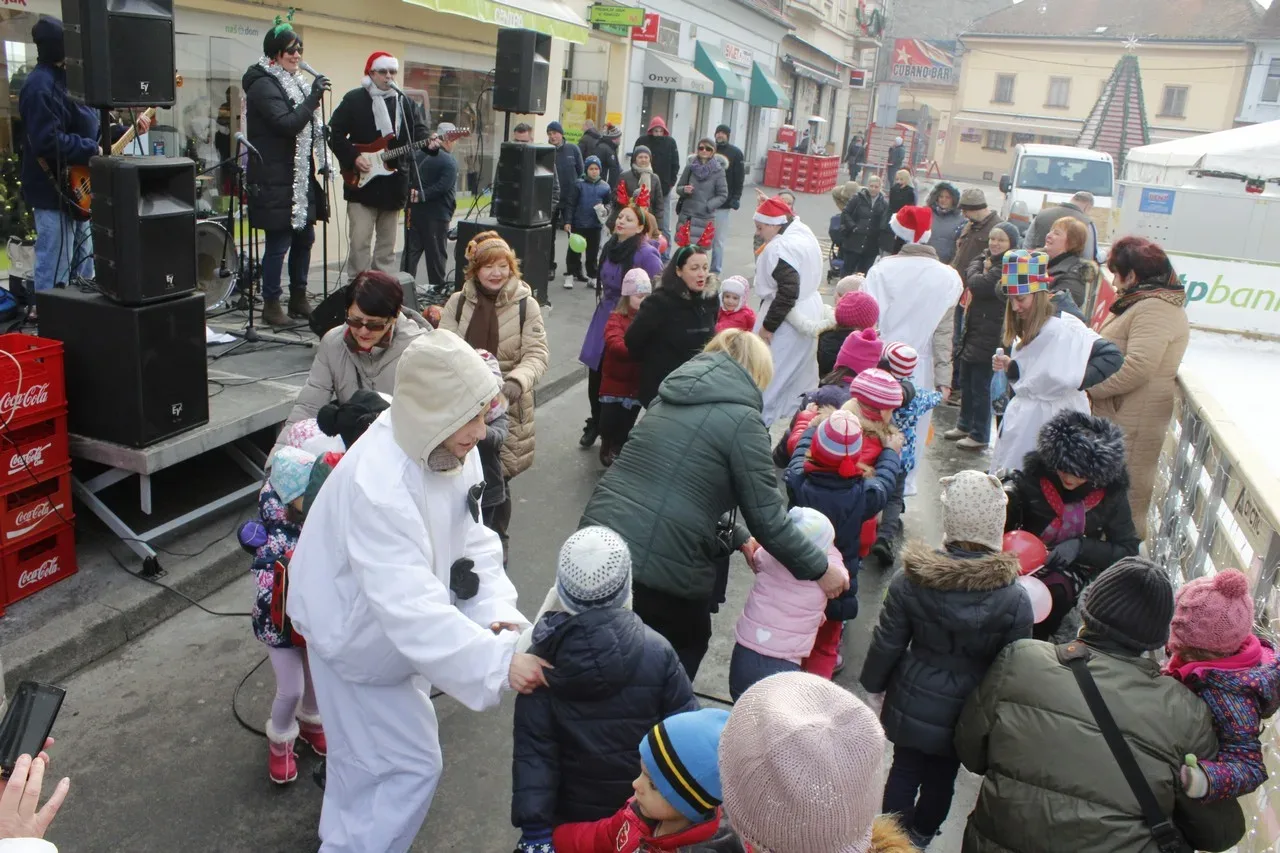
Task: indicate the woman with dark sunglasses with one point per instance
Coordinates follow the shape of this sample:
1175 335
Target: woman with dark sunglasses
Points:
363 352
703 188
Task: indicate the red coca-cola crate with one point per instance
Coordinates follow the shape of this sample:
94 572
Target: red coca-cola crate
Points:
29 452
31 377
35 562
29 508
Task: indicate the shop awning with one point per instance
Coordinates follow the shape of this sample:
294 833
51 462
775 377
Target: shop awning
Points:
550 17
804 69
668 72
766 91
724 83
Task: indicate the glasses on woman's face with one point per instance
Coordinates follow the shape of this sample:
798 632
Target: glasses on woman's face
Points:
371 325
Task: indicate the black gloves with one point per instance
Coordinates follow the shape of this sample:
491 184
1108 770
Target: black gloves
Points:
1063 555
463 579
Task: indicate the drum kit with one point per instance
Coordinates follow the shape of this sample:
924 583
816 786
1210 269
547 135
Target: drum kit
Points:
218 270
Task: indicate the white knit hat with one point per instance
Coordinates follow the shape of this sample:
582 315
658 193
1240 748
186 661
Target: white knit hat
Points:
800 765
594 570
813 526
973 509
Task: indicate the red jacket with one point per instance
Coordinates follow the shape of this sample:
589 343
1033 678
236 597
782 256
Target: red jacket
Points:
619 374
744 318
627 832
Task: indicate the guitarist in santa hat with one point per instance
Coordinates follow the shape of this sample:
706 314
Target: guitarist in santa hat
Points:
372 114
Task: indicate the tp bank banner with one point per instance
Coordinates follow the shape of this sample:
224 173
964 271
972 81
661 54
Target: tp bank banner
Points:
1232 295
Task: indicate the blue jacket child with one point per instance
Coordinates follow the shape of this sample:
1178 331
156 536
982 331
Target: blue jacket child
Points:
587 193
823 475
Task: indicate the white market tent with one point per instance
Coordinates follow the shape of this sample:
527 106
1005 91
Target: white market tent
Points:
1252 151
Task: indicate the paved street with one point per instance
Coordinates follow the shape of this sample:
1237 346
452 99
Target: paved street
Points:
158 760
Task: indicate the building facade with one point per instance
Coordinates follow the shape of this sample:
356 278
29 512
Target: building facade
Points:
1261 101
1033 72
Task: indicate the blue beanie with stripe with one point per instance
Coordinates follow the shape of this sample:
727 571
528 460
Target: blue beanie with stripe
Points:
681 754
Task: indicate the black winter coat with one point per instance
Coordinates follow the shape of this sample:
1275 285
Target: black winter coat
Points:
610 169
1071 274
735 173
829 343
984 318
352 124
1109 532
273 124
945 618
669 329
900 197
577 742
861 221
570 167
665 154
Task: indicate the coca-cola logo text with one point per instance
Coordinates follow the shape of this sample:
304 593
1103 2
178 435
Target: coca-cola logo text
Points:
34 513
33 458
36 395
47 569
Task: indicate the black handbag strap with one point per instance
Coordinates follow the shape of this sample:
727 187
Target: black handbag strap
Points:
1167 837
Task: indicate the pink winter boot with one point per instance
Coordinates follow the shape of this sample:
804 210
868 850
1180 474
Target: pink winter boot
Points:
311 732
282 763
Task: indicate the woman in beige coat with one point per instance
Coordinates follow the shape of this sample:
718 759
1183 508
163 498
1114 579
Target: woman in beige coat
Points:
1149 324
496 311
363 352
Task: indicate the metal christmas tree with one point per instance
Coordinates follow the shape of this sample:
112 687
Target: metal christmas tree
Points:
1118 121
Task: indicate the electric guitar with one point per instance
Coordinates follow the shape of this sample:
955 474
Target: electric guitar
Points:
376 154
77 186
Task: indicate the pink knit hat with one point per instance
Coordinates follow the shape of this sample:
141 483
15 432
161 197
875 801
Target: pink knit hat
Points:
902 359
857 310
877 389
860 351
800 765
1213 613
636 283
836 443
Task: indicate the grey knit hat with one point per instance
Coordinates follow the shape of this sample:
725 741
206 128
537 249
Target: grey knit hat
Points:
973 199
594 570
1130 603
973 509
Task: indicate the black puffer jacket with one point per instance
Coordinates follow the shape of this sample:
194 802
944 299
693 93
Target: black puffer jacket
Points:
984 318
669 329
945 618
1072 274
352 124
577 742
272 127
861 221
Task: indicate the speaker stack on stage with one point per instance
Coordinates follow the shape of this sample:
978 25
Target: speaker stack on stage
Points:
526 174
136 371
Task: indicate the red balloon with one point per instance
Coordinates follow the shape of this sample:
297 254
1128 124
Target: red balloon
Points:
662 244
1031 552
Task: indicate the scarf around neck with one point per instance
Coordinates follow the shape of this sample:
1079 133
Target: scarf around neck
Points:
1166 291
1252 653
623 252
1068 518
703 169
296 89
381 117
482 331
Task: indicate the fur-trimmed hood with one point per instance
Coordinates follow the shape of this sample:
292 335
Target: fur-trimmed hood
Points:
717 157
1083 445
933 569
939 188
887 836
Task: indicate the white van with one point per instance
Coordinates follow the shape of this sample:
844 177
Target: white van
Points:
1045 175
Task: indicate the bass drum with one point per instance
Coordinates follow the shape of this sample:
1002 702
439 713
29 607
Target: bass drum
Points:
217 264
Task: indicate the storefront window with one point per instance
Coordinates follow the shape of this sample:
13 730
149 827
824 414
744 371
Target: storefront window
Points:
656 102
19 59
457 95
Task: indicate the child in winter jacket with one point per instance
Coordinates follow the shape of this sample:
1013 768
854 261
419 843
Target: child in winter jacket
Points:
825 475
946 616
1215 653
734 311
575 747
294 713
875 394
855 311
619 393
781 617
588 196
677 794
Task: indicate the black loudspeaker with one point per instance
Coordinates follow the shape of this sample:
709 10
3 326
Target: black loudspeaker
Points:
531 245
120 53
523 184
521 72
144 227
136 374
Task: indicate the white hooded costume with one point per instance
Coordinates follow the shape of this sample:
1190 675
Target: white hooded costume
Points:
370 591
917 295
795 342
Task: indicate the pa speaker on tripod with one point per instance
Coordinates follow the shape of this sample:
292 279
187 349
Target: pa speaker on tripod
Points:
144 227
120 53
521 72
523 185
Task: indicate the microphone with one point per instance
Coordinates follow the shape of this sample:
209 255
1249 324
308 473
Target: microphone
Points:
307 68
241 139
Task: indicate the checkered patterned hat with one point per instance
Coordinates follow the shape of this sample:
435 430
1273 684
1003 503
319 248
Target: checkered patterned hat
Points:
1025 272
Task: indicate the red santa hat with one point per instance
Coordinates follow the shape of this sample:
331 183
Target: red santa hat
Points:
912 224
773 211
380 60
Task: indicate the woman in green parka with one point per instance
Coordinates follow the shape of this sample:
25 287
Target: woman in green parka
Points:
701 451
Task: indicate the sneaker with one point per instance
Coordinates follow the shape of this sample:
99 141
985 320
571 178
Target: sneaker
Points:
568 282
968 443
955 434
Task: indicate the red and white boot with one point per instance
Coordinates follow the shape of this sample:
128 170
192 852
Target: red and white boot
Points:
282 763
311 732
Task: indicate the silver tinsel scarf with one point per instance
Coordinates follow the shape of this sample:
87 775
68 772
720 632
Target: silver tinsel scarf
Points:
296 88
